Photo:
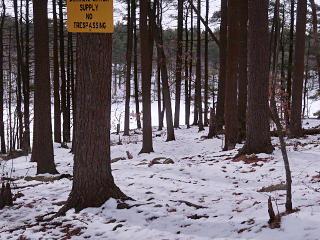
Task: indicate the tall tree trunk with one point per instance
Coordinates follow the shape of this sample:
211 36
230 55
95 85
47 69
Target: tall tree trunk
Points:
297 86
56 84
42 151
135 64
19 75
258 130
290 61
73 92
186 67
165 84
68 85
93 183
11 144
66 128
146 35
26 83
206 69
198 98
159 92
243 76
128 72
2 20
282 48
223 65
178 64
191 63
315 35
233 48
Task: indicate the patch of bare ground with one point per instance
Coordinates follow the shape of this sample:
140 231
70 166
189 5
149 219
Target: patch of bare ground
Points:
250 159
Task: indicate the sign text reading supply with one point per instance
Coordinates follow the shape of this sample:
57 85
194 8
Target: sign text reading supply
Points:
93 16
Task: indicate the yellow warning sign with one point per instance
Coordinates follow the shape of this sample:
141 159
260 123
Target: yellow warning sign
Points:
94 16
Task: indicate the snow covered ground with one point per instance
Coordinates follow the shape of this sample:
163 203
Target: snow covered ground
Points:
204 194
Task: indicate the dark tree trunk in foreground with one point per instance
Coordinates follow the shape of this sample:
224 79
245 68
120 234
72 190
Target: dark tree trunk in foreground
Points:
243 78
146 35
223 64
315 35
135 64
258 130
257 134
56 85
66 127
3 13
128 72
297 86
93 183
290 67
233 46
178 64
198 98
42 151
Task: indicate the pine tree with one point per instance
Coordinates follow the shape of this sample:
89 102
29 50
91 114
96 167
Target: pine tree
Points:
178 64
297 86
222 67
233 47
42 151
258 130
93 183
146 35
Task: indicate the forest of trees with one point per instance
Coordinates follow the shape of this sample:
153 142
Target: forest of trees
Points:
257 69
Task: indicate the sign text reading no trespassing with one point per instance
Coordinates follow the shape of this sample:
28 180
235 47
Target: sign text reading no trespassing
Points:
95 16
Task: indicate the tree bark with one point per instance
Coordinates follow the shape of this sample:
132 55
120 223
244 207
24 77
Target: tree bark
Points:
223 65
243 76
206 69
56 84
195 110
93 183
128 72
135 64
26 83
42 152
297 86
198 97
19 75
66 128
146 35
68 85
258 130
233 47
186 67
290 66
178 64
165 85
2 20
